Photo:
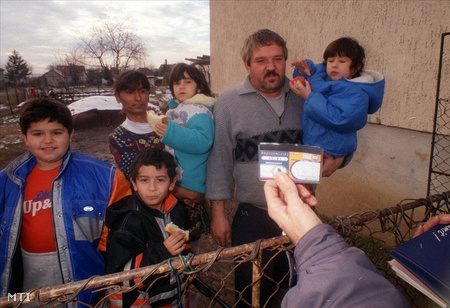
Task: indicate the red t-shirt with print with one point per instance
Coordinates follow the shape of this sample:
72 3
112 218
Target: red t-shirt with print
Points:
38 233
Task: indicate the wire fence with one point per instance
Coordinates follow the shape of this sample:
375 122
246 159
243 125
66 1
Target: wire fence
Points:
439 176
439 169
375 232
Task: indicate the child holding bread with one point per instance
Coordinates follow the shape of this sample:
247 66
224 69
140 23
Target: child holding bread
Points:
147 228
188 135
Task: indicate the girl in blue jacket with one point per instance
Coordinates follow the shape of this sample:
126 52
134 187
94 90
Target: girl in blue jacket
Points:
338 94
189 133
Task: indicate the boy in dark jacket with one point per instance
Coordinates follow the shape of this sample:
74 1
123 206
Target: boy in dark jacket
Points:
137 230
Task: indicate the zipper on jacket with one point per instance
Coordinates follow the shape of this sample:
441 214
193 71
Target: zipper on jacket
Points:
273 110
54 232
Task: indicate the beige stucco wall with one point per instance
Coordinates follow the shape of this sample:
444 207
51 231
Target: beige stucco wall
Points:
401 39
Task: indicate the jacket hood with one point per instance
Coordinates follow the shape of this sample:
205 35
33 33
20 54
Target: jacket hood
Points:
372 83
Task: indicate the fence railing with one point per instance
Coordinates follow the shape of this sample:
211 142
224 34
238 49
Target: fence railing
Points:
215 270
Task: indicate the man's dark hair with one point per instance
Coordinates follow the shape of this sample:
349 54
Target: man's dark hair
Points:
40 109
153 157
177 73
263 37
346 47
130 80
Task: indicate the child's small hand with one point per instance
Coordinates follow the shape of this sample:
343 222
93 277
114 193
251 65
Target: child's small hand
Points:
302 66
301 90
160 129
175 243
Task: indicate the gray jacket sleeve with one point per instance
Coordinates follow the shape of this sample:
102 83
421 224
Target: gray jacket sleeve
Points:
333 274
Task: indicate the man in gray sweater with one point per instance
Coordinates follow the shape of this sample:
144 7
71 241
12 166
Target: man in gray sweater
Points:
261 109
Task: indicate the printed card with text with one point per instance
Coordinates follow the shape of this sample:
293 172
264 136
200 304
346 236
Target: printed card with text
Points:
302 163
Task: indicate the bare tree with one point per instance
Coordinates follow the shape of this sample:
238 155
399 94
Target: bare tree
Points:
113 45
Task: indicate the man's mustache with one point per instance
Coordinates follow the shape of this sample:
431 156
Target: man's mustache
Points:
271 73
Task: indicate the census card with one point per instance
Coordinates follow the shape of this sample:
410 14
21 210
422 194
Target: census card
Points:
302 163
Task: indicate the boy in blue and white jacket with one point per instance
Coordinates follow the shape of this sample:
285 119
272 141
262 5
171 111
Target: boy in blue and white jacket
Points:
338 94
52 205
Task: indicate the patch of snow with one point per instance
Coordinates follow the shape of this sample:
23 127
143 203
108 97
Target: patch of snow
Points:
98 102
17 141
10 119
101 102
154 107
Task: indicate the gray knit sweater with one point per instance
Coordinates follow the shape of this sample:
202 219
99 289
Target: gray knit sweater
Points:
243 119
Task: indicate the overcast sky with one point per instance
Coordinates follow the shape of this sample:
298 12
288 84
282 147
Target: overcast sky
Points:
42 31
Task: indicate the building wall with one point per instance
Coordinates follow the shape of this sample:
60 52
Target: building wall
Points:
401 38
53 79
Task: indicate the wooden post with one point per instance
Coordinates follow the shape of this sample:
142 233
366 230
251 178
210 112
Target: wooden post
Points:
257 275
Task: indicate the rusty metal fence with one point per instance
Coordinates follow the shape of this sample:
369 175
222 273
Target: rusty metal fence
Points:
439 169
375 232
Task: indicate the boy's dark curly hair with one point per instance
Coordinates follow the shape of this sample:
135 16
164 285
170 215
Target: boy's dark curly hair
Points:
42 108
153 157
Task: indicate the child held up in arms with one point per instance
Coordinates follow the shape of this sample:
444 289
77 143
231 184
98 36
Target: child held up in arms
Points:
338 94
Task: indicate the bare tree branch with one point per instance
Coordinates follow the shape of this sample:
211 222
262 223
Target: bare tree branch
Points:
113 45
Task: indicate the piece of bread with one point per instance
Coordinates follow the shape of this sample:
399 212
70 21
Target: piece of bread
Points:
171 228
153 118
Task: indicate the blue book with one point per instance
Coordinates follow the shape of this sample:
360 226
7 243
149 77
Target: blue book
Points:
427 257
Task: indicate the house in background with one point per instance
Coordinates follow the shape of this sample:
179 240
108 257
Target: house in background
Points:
149 74
203 64
53 79
64 75
74 74
163 74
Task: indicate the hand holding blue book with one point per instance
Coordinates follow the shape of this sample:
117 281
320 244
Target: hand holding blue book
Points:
427 257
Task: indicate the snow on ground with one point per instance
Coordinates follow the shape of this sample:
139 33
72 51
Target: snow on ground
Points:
98 102
101 102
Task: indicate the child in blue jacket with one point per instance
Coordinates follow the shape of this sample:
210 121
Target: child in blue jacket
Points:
52 205
338 94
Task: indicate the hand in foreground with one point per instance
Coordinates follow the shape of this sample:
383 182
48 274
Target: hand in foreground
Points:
433 221
289 205
160 129
175 243
331 164
302 67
